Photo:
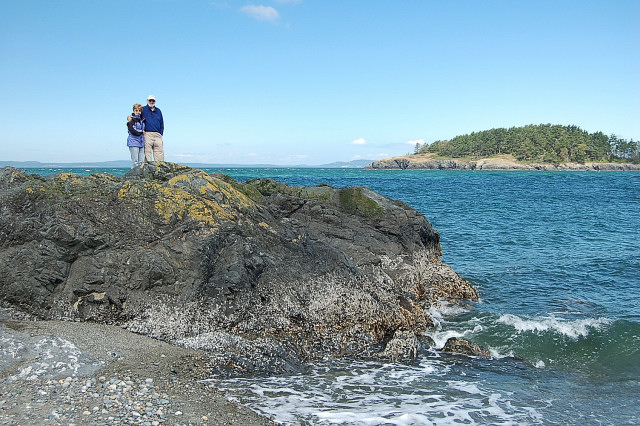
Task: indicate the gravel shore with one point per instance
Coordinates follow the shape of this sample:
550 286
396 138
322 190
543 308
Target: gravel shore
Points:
55 372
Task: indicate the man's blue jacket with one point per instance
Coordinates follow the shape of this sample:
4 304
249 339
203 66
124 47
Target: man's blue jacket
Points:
153 121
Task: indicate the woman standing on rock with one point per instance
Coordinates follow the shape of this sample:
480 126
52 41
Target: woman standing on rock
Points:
135 141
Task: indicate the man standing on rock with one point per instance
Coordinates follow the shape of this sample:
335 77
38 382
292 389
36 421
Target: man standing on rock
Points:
154 129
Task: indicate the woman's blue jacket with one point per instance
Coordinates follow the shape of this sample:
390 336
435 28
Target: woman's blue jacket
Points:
136 131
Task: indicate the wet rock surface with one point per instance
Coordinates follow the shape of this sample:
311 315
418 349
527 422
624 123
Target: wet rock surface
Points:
466 347
261 275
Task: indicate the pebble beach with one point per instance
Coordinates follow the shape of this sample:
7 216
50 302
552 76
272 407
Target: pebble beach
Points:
56 372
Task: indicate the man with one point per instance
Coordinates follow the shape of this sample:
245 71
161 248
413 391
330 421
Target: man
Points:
153 131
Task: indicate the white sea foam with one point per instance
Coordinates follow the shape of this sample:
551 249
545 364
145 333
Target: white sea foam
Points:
495 353
444 329
444 309
370 394
467 387
570 328
440 336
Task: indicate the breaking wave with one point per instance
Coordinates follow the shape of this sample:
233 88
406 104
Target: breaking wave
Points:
570 328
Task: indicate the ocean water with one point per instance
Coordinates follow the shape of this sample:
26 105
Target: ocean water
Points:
555 257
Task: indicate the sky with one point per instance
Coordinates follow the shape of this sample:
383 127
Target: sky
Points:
291 82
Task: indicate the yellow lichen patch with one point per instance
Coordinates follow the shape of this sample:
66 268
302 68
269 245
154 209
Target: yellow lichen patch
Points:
126 190
264 225
68 176
211 187
176 203
29 190
179 178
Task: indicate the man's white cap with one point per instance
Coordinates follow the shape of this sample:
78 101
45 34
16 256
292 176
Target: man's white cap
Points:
150 97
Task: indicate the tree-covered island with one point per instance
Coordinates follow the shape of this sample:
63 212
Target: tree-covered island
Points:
531 147
543 143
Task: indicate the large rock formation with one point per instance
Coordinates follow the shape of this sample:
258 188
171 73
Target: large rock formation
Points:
261 274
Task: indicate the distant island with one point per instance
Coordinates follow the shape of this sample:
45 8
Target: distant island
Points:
531 147
126 164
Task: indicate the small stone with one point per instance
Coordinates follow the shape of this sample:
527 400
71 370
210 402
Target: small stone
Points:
178 413
466 347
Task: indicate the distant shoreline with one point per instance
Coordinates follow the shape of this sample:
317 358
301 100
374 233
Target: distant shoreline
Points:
404 162
503 162
121 164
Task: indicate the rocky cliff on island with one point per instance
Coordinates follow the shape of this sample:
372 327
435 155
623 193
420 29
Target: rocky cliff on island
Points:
261 275
499 162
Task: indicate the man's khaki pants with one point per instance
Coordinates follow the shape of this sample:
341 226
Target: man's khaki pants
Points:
153 144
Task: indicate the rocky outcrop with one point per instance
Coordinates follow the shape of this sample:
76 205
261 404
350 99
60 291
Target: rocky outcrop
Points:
504 162
464 346
261 274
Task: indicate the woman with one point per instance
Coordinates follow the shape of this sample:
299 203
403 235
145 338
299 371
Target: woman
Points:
135 141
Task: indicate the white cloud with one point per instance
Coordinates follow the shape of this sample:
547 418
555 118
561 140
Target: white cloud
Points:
261 13
359 141
413 143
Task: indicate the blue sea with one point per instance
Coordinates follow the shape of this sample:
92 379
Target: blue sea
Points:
555 257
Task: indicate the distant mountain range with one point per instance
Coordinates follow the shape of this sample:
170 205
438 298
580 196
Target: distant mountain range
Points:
119 164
